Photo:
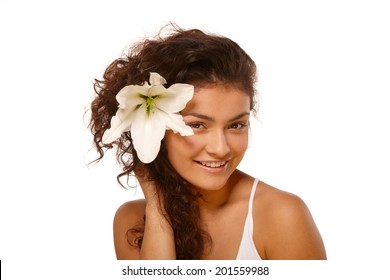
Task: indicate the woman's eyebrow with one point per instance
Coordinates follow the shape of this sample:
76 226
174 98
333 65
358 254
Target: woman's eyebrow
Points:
239 116
201 116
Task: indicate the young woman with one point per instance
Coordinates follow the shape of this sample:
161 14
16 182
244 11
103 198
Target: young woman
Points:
177 109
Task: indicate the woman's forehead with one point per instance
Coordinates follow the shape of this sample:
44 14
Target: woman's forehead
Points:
217 100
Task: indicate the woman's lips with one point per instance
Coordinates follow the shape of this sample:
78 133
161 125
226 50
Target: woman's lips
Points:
213 166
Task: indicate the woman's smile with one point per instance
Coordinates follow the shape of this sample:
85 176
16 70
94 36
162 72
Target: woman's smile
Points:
213 166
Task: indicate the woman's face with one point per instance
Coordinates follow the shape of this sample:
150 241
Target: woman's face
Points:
219 117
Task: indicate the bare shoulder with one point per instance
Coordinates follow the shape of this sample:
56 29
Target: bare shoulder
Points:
284 226
279 202
130 210
128 216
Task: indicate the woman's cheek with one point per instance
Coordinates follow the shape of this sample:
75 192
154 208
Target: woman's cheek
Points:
239 143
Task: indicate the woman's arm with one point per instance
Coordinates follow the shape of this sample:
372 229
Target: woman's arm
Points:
158 241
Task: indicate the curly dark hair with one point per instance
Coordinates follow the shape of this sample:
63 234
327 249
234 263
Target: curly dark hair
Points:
182 56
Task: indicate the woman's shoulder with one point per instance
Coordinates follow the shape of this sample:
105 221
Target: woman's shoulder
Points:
284 225
130 212
277 200
278 208
130 215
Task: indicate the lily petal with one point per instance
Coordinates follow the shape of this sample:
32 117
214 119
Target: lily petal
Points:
129 96
156 79
147 133
120 123
175 98
157 90
177 124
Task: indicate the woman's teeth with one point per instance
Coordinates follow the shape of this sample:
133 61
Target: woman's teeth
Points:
214 164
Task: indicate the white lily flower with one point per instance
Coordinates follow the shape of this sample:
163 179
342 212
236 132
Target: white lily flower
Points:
147 111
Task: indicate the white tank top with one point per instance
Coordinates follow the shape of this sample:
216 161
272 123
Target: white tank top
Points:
247 250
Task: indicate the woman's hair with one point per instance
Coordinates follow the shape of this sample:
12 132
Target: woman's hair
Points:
183 56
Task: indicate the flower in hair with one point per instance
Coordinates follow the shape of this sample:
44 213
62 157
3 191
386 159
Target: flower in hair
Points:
148 110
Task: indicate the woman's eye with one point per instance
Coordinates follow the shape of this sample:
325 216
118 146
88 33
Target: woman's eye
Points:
196 125
238 126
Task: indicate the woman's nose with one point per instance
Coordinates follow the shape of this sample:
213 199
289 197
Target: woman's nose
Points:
218 144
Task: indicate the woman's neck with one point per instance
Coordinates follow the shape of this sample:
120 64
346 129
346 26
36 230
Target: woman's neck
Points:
211 201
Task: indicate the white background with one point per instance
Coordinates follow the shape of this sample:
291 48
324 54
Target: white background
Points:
323 130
